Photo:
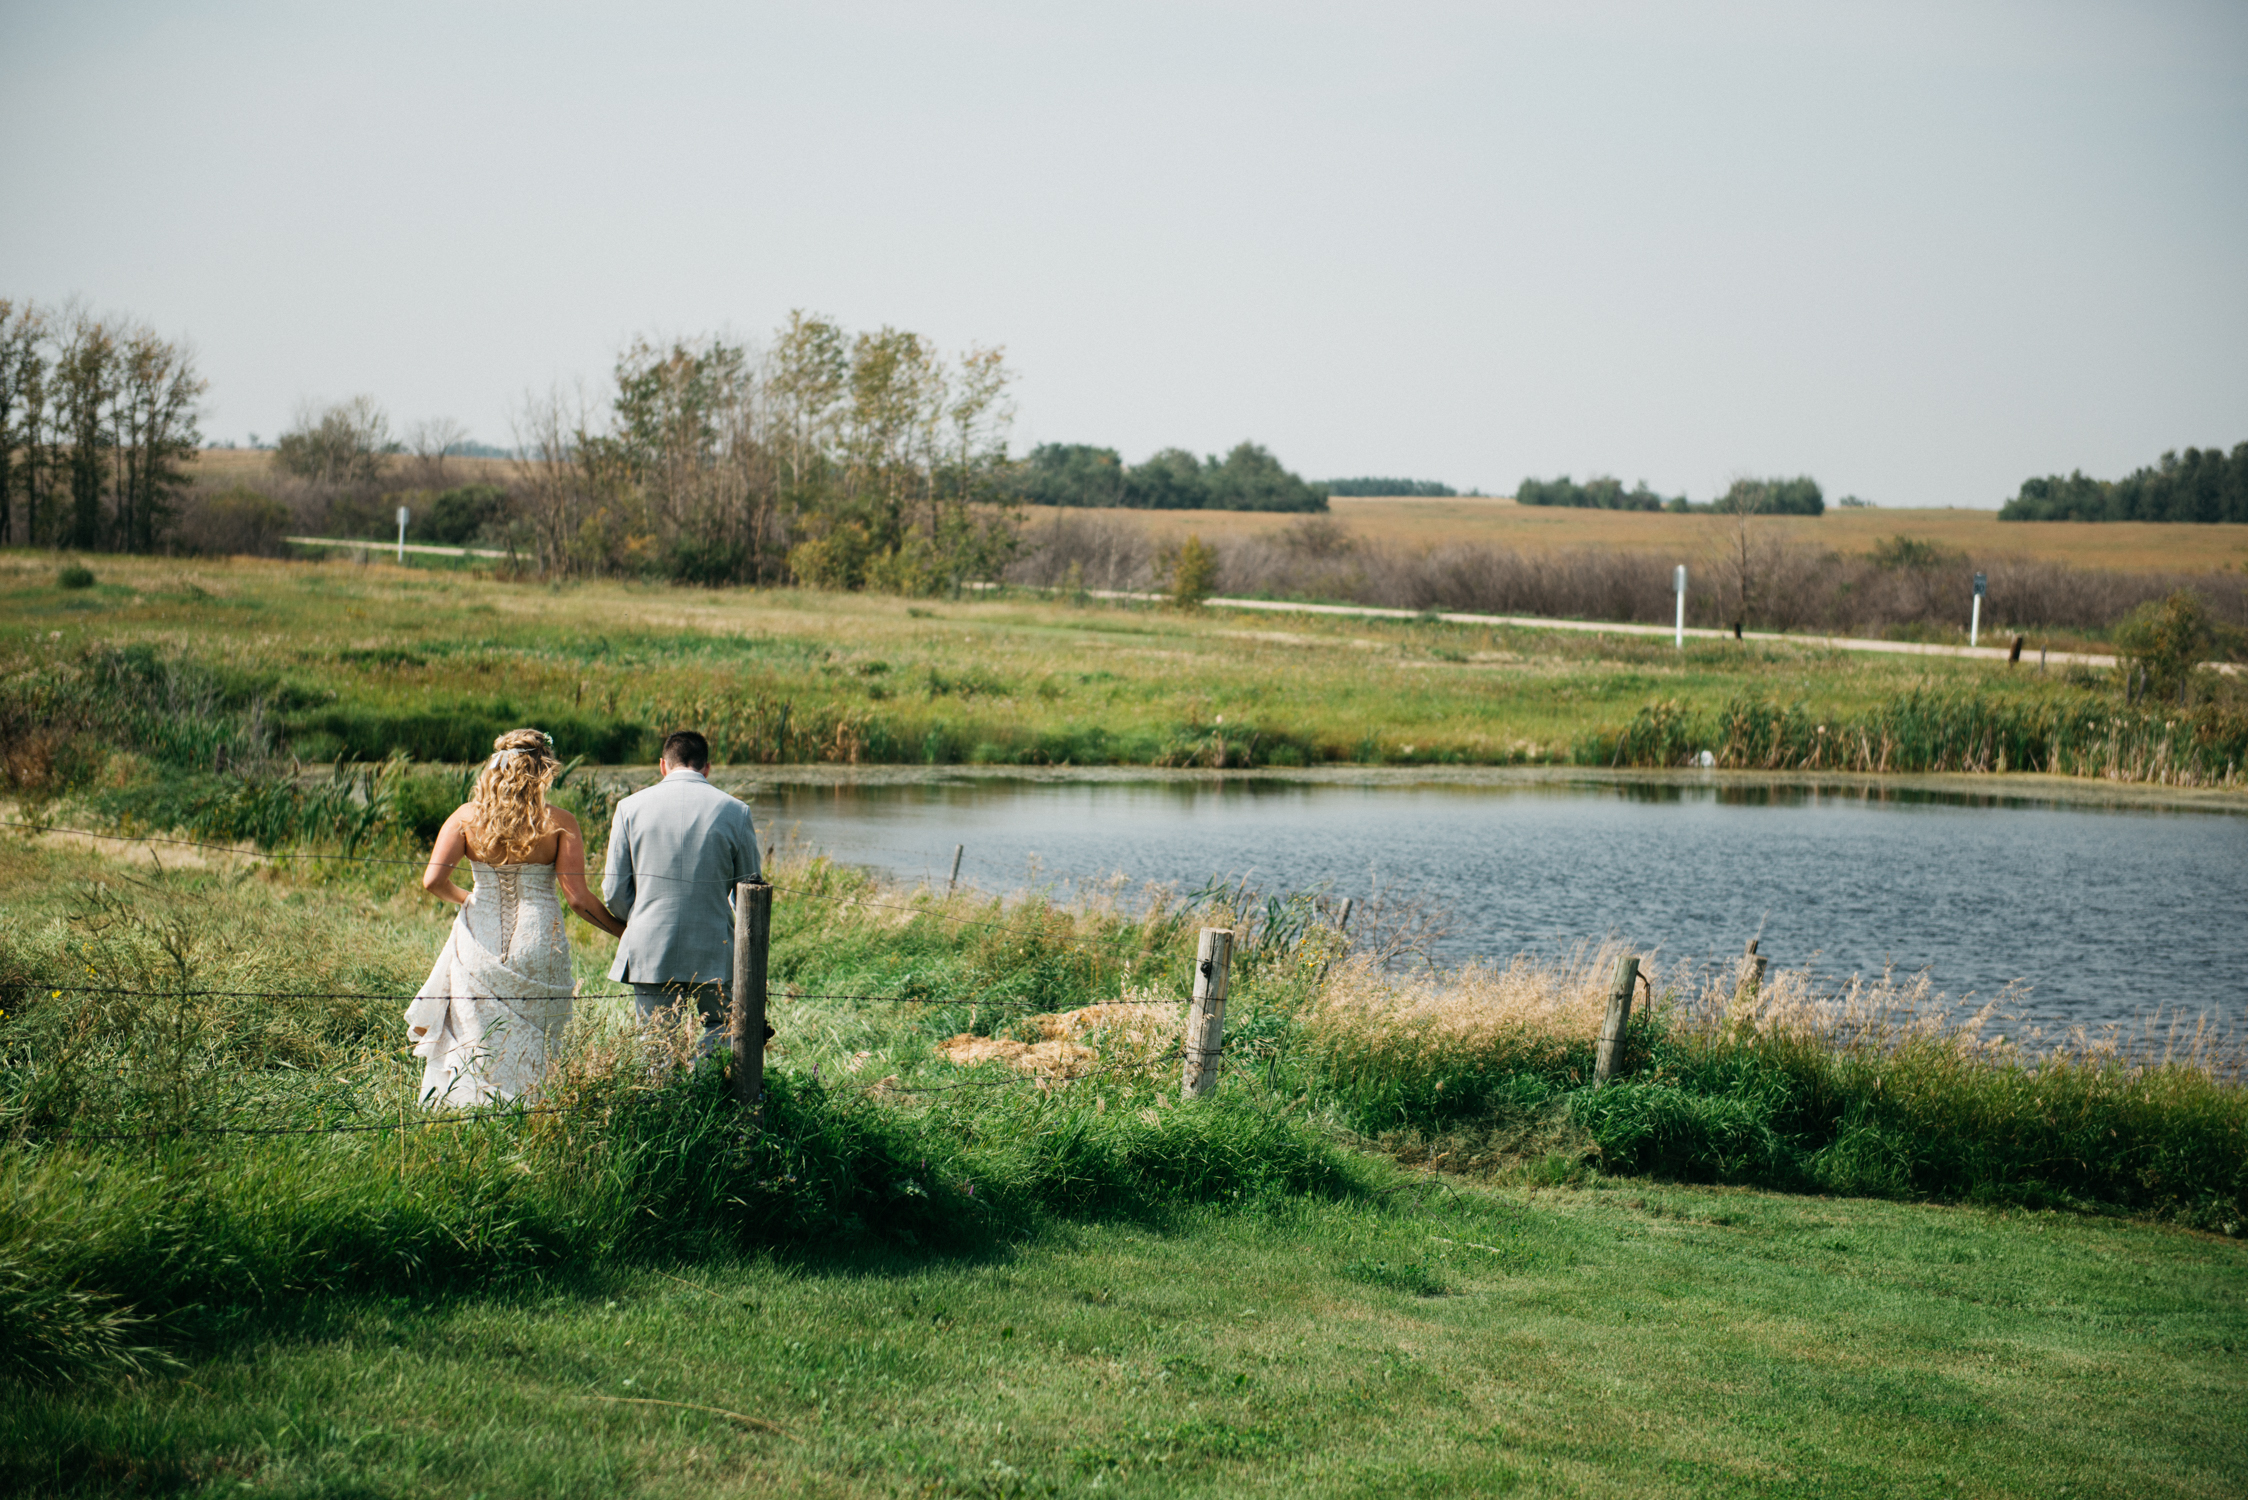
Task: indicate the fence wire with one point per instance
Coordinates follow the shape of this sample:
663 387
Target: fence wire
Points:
1045 1081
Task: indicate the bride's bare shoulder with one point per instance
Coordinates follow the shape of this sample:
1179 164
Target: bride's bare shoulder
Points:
558 821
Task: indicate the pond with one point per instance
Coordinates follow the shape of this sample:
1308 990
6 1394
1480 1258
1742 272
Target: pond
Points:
2105 912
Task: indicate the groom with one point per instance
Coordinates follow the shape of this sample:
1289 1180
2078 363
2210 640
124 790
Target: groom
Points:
676 850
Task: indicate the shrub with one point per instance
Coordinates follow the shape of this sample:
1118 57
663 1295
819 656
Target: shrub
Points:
1194 573
236 522
837 560
2162 644
75 576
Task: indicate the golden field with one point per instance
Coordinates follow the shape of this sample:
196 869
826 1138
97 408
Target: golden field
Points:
2145 547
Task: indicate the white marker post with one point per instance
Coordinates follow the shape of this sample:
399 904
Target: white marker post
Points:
403 514
1678 582
1975 621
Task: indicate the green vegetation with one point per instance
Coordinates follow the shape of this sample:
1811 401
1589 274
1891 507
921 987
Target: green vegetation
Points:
2162 644
1799 496
152 692
2083 735
1428 488
1598 493
927 1278
1194 573
2206 485
1248 478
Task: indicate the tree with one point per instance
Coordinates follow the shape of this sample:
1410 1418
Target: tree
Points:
1171 480
1600 492
2202 485
1252 479
1369 485
23 376
345 444
851 461
2161 644
1799 496
806 376
432 440
102 411
86 382
1071 474
156 433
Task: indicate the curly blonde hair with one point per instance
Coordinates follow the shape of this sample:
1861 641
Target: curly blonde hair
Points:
507 811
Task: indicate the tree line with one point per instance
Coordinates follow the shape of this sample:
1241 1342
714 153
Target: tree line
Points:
1427 489
1799 496
1079 474
97 419
2203 484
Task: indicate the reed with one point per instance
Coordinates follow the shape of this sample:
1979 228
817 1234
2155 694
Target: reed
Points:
1931 730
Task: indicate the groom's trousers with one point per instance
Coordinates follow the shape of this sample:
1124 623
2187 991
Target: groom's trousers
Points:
709 1000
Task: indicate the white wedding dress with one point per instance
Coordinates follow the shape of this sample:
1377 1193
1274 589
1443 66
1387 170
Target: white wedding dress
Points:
494 1008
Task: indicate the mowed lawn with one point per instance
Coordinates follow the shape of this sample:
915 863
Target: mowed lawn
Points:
1616 1339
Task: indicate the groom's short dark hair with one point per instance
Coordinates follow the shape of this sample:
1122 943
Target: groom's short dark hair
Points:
684 747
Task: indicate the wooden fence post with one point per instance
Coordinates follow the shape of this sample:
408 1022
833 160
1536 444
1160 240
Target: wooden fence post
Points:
1619 1016
753 936
952 881
1205 1019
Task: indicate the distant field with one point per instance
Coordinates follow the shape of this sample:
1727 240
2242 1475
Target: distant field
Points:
250 464
1416 521
1413 521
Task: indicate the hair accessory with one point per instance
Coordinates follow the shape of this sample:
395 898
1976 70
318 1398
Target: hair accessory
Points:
500 755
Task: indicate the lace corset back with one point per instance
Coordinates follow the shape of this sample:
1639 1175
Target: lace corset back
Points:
515 914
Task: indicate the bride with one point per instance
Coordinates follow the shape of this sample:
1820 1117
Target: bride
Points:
496 1004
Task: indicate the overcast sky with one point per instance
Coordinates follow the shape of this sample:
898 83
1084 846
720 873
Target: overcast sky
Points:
1917 251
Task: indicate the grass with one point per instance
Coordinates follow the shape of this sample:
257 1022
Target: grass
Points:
1620 1339
997 1287
202 666
1406 1249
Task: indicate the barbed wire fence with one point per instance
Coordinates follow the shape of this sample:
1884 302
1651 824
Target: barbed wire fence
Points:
1044 1079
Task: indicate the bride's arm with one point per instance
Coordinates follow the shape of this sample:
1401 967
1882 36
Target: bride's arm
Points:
452 848
569 872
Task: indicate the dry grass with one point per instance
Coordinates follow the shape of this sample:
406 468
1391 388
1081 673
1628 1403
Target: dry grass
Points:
1071 1043
1543 1004
251 466
1537 1003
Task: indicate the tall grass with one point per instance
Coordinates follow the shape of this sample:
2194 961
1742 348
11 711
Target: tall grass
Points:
1942 731
1876 1089
147 1038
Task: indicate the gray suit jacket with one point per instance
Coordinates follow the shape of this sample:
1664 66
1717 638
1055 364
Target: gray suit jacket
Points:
675 851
